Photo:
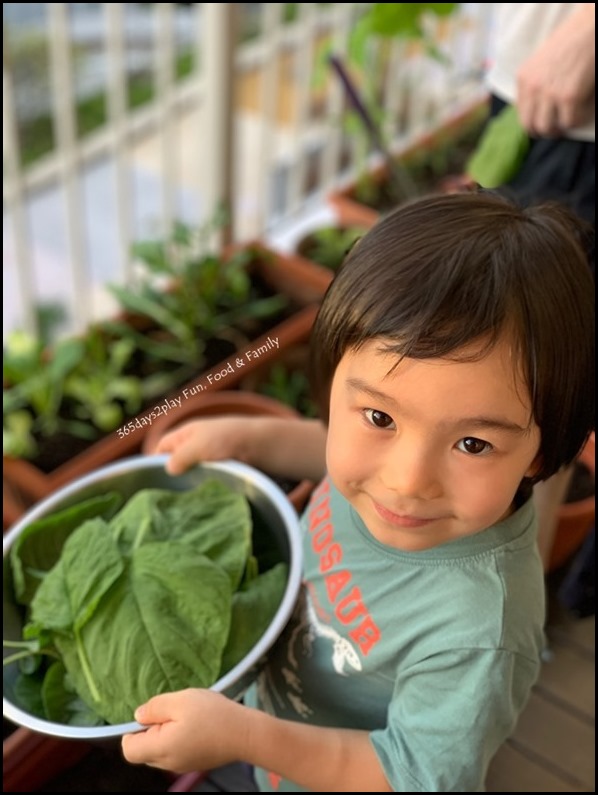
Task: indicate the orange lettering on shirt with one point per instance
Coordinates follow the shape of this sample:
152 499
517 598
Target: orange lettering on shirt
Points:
334 554
350 607
336 582
366 635
322 538
320 491
321 513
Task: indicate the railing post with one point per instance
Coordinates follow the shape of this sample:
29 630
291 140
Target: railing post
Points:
15 200
219 38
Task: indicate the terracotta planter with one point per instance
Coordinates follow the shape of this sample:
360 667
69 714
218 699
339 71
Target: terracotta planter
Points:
22 485
344 201
30 759
575 519
294 275
228 402
303 282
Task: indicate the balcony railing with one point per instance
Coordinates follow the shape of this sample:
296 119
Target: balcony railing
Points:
196 106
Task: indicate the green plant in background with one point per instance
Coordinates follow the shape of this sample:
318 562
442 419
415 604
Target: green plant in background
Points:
380 25
329 245
100 391
49 317
189 297
397 21
291 387
78 388
84 387
34 391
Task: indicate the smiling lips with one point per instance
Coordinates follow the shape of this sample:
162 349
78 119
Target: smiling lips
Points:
399 520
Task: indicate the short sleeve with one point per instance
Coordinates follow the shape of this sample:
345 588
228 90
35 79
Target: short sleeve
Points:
449 715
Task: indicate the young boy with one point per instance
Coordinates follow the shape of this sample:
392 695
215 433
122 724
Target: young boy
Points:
454 361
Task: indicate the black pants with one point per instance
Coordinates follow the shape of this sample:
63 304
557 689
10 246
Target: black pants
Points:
557 169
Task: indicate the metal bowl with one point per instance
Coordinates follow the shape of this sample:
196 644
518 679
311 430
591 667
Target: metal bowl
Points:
127 477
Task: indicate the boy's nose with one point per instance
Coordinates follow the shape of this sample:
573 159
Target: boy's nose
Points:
411 471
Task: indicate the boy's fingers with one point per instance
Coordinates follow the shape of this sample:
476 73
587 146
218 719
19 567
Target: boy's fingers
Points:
137 748
156 710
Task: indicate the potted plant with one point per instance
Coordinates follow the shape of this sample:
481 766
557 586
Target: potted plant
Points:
328 245
187 316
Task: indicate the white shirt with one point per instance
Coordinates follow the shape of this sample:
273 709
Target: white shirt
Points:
518 29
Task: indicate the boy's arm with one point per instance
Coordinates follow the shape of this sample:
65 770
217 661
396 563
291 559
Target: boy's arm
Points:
286 448
317 758
201 730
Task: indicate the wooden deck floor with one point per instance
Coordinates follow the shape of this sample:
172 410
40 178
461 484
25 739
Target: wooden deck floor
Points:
553 747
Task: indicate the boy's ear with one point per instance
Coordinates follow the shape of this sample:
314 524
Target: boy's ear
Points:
534 467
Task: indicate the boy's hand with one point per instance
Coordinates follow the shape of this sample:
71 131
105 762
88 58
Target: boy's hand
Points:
212 439
292 448
188 730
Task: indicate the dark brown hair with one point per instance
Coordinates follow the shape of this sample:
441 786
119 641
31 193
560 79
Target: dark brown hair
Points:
442 272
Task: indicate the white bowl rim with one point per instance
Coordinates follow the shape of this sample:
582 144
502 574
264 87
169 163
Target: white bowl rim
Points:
282 615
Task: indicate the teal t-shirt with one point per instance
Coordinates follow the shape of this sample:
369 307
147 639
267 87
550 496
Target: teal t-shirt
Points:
433 652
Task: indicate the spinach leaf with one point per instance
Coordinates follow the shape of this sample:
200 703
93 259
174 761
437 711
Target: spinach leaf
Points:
254 606
27 692
69 594
212 518
162 626
38 547
61 702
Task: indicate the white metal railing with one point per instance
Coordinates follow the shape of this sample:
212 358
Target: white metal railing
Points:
248 126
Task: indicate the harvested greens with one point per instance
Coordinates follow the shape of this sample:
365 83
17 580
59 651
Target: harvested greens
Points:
127 601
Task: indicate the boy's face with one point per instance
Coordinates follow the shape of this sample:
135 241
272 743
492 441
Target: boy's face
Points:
432 451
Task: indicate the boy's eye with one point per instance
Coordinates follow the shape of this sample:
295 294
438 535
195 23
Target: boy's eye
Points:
378 418
474 446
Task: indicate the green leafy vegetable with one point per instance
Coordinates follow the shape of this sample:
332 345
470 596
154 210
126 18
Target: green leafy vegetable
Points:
217 525
165 594
38 547
251 613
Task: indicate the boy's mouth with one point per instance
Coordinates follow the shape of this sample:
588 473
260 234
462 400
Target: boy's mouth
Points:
400 519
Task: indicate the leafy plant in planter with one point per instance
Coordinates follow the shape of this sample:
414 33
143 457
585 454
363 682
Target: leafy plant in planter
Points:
445 152
186 301
264 293
77 390
329 245
33 390
429 162
291 387
187 312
